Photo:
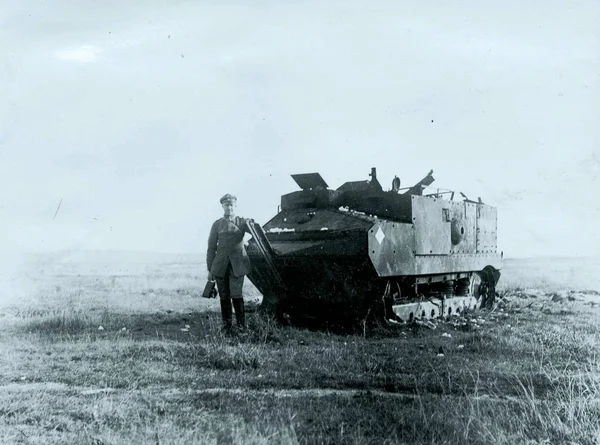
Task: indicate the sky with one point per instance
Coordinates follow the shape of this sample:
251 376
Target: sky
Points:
136 117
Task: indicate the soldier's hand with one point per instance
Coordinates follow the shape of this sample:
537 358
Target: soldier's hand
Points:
210 276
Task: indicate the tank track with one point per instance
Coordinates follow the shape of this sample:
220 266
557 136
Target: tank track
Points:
444 299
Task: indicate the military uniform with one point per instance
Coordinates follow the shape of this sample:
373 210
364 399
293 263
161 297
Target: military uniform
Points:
228 262
226 247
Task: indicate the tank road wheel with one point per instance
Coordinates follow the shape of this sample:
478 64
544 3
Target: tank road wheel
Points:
487 288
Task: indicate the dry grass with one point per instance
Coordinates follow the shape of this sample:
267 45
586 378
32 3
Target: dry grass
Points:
159 371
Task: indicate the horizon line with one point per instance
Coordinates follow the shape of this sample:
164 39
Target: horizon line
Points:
172 253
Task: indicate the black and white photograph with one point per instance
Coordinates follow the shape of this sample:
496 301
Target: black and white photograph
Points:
299 223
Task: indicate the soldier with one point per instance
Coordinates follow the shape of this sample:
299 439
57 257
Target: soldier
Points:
228 262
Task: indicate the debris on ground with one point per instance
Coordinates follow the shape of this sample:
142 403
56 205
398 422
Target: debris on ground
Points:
523 294
426 323
507 306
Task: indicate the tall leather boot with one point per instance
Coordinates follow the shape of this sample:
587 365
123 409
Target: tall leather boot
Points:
240 315
226 314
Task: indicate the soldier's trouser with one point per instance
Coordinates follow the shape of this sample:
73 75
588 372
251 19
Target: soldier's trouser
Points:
230 288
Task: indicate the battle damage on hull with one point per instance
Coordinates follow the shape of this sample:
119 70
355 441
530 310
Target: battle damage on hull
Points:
401 253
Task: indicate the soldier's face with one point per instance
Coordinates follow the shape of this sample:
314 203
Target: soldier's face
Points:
229 208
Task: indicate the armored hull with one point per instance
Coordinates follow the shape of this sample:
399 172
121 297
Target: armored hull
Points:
330 254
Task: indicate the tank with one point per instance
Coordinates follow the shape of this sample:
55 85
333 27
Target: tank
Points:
358 251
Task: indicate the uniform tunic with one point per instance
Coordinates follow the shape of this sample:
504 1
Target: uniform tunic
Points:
226 257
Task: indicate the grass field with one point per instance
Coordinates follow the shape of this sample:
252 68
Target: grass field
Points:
113 348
